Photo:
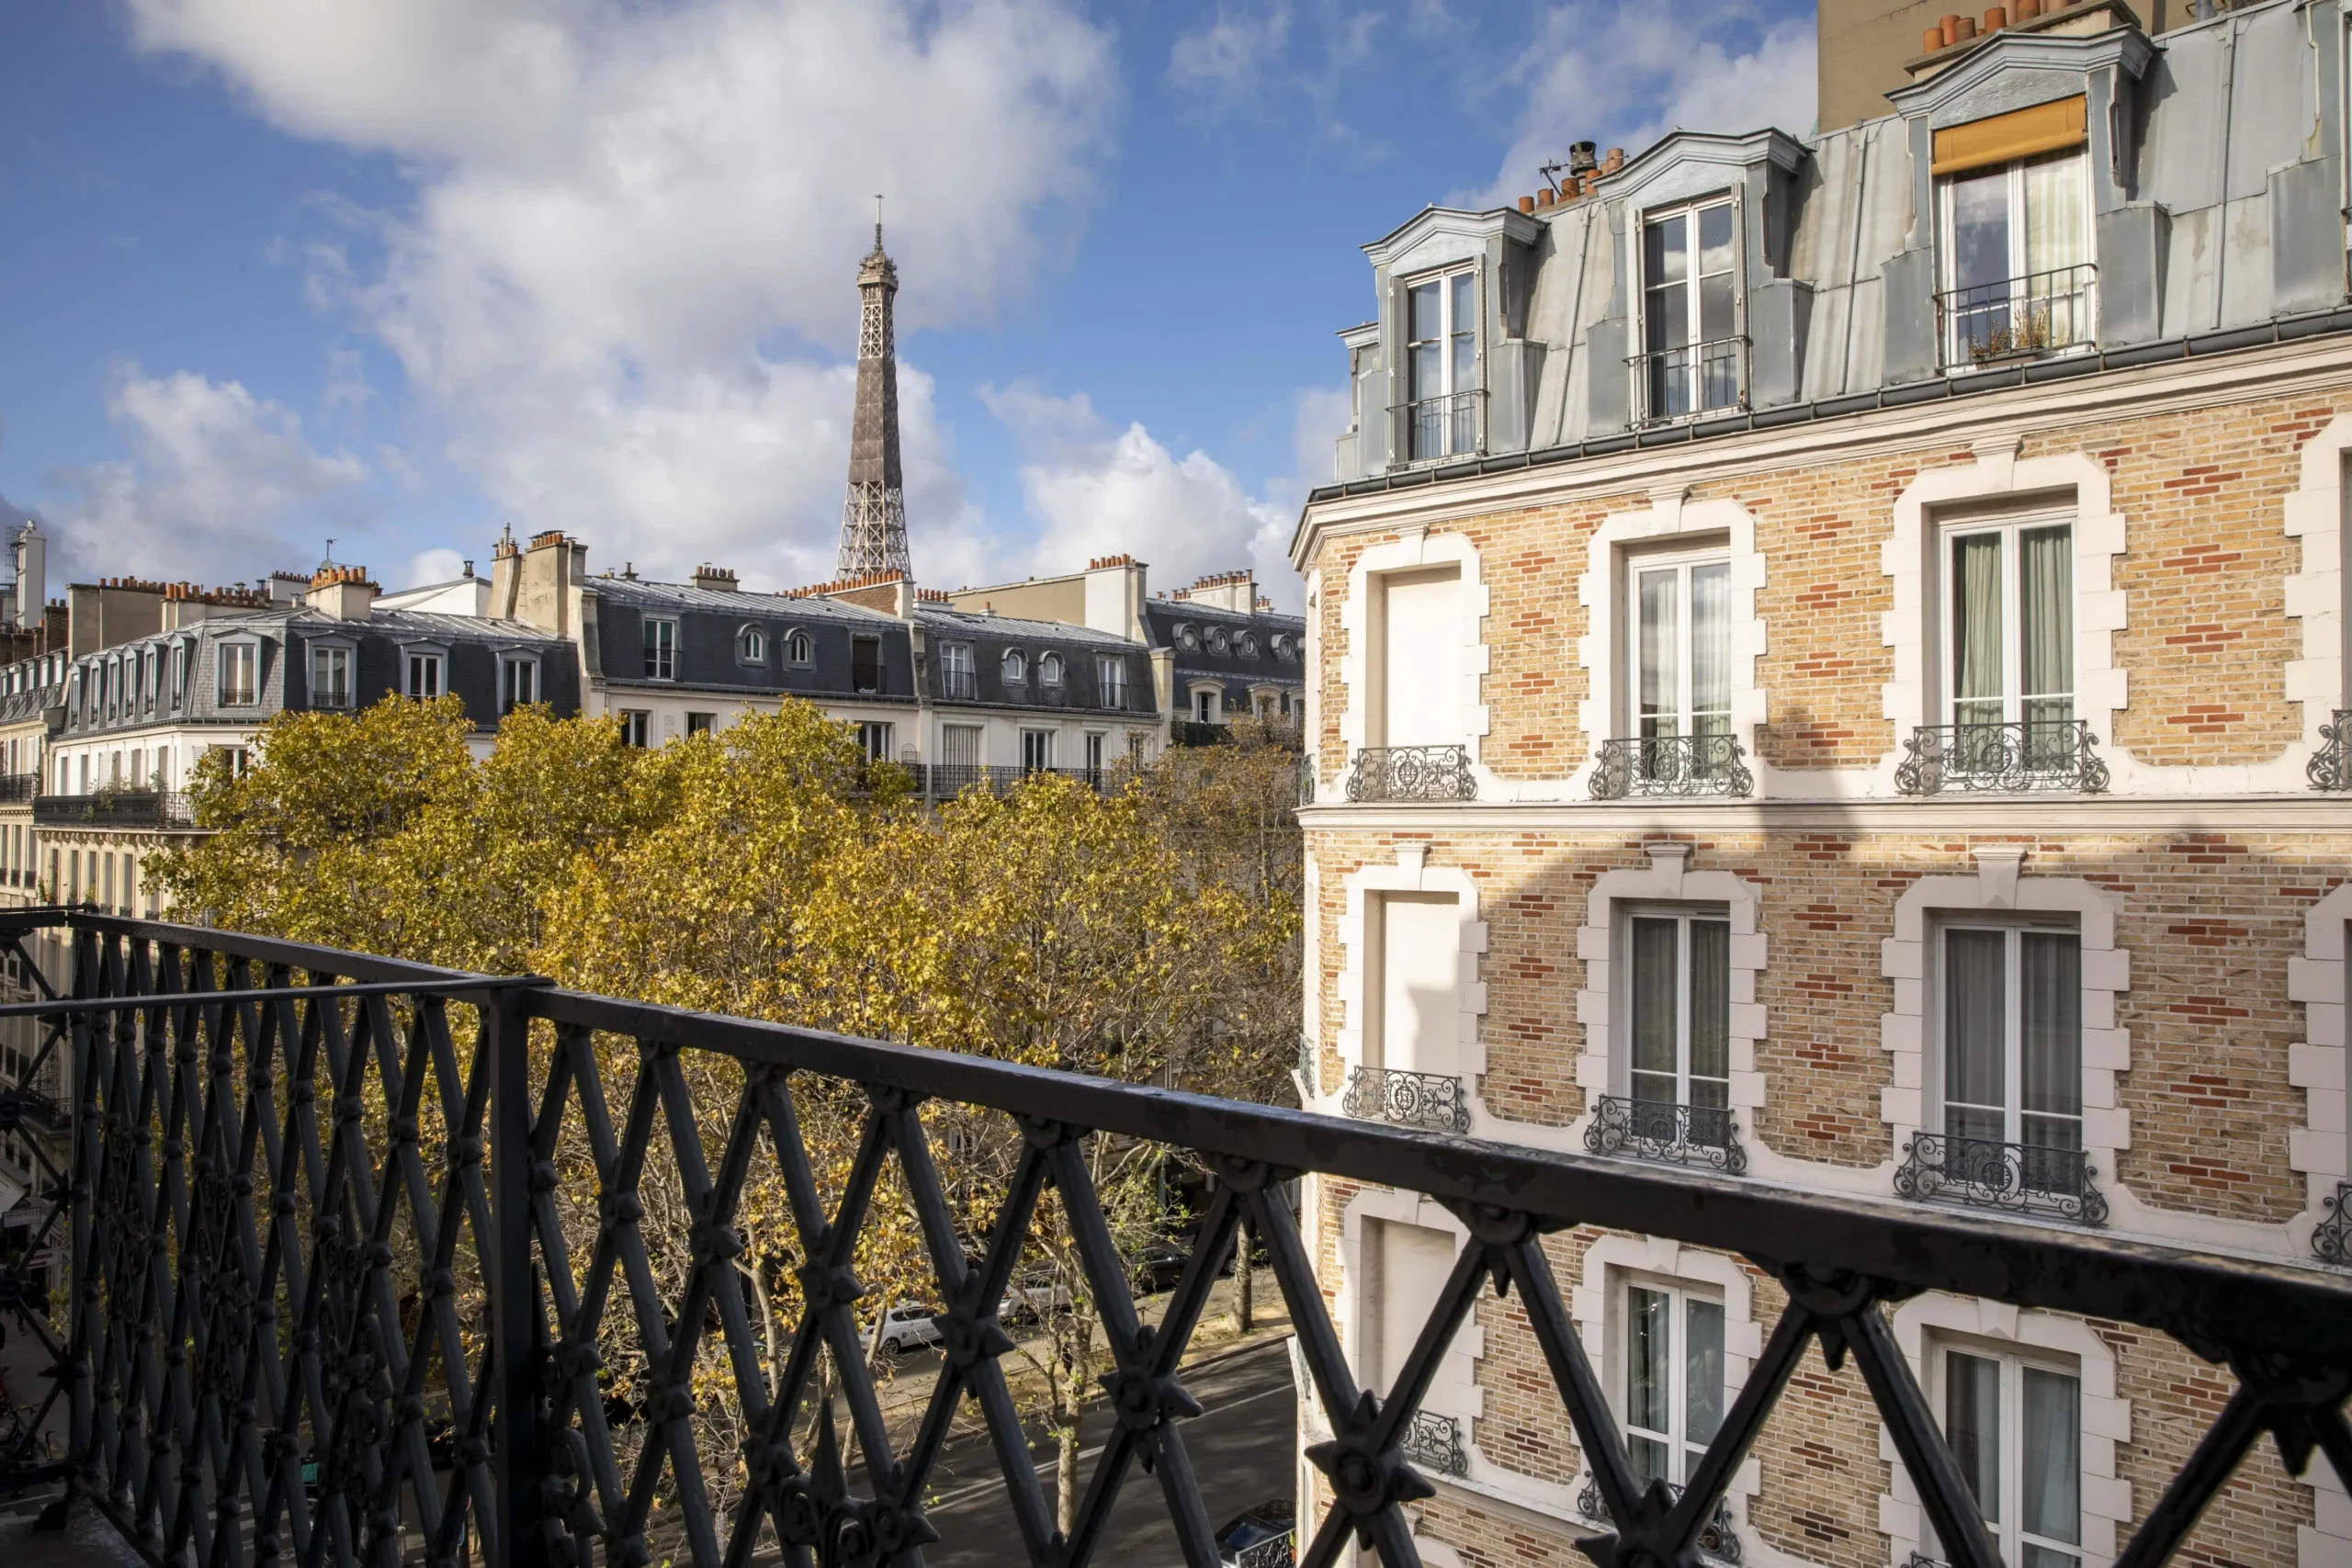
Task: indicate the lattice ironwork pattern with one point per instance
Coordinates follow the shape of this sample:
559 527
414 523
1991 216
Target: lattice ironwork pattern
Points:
1993 1174
380 1264
2331 765
1435 1100
2332 1237
1662 1130
2028 755
1671 765
1434 1443
1412 772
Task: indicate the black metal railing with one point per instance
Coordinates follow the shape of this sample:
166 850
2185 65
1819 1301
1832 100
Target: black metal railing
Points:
2331 765
1990 1173
17 788
1436 1100
1452 425
1671 765
962 686
1412 772
1662 1130
1692 378
944 781
1718 1538
2332 1240
2017 318
155 809
323 1233
1198 732
1434 1443
2057 754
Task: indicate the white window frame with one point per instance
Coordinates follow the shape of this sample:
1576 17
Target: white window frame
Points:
1683 916
959 664
2013 1361
411 654
1680 1293
2013 1034
507 663
1049 669
636 727
320 651
1448 330
702 723
874 739
1948 250
751 645
661 652
2012 531
180 661
1682 562
1013 667
1691 308
799 647
1096 748
250 648
1042 742
1110 678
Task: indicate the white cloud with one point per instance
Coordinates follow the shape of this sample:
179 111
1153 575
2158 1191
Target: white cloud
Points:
626 280
1223 62
1624 72
428 567
215 475
1098 490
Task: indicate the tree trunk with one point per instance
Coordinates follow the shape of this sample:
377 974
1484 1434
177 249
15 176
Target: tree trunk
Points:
1244 1280
1066 1479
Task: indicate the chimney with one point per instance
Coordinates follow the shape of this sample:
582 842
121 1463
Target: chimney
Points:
31 548
1225 591
538 583
1615 161
715 580
343 592
1581 160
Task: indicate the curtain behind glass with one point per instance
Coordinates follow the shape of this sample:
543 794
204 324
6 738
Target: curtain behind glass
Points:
1649 1371
2053 1473
1973 1426
1702 1378
1976 630
1711 649
1654 1009
1975 1015
2049 1004
1710 1015
1659 675
2046 637
2054 213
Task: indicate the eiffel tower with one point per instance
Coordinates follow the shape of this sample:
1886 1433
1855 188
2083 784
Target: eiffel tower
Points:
874 520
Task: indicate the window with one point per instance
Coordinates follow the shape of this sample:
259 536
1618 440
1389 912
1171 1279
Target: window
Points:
2010 652
1111 675
330 677
1419 961
179 673
958 675
1680 656
424 675
1016 668
701 723
1036 750
1673 1354
2016 272
797 648
1204 705
634 724
1219 640
1420 687
661 650
1678 1018
1284 646
240 673
1094 754
1049 669
1406 1268
1441 362
874 740
1188 637
959 745
1690 343
2015 1427
865 663
751 646
2013 1050
518 683
1248 645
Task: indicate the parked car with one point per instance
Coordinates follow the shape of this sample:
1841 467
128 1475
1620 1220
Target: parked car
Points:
908 1327
1264 1537
1031 1296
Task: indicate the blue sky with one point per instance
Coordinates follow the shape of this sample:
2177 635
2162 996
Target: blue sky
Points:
401 272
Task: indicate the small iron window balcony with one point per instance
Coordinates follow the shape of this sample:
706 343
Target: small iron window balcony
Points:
1412 772
1434 1100
1671 765
960 684
2018 318
1691 379
1453 424
1718 1540
2331 765
2029 754
1990 1174
1661 1130
1434 1443
2332 1242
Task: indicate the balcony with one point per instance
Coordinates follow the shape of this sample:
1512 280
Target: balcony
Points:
132 808
1412 772
1434 1443
2041 313
1434 1100
960 685
1453 425
1718 1540
2332 1242
944 781
2033 754
2330 767
1692 379
1661 1130
16 789
1198 732
1986 1173
1671 765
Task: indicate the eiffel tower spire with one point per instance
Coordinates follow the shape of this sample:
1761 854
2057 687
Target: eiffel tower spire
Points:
874 520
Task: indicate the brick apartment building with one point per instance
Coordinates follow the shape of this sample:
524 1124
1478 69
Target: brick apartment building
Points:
1829 660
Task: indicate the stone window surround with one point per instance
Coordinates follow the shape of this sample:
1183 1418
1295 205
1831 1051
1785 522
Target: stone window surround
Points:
1411 874
2313 512
1600 591
1454 1391
409 650
1997 888
350 646
2106 1418
1592 1303
1413 552
2099 610
2316 1063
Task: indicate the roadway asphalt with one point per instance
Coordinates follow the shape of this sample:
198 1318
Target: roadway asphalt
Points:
1241 1450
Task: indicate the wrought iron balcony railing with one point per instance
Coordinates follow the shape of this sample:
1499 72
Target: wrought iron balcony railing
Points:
2331 765
17 788
1718 1537
1991 1174
1453 425
1412 772
113 809
401 1212
1198 732
1434 1443
1671 765
2055 754
1661 1130
961 685
1435 1100
944 781
1692 379
2019 317
2331 1241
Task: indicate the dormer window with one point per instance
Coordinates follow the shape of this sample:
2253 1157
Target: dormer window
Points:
751 646
1188 637
1442 366
1049 669
1692 351
2013 203
1016 668
797 648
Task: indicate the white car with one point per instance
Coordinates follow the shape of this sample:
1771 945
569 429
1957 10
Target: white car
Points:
908 1327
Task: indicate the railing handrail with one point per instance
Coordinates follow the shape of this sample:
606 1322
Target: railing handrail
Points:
2084 270
1740 340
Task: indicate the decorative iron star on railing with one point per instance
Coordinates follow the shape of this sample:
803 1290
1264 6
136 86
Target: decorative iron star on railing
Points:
1435 1100
1412 772
2056 754
1671 765
1991 1174
1661 1130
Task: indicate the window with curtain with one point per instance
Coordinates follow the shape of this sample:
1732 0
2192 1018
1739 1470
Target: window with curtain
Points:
1689 312
2015 1425
1671 1346
2015 257
661 650
1441 362
2010 654
424 676
330 677
1679 660
2013 1043
1679 1020
240 674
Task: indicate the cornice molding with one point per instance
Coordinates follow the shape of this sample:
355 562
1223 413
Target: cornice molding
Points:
2043 815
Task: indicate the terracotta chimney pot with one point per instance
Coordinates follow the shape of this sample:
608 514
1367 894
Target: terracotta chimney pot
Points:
1546 196
1950 27
1997 18
2023 11
1933 41
1527 204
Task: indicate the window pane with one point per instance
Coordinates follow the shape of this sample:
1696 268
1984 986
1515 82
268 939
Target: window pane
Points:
1976 628
1667 242
2053 214
1649 1367
1980 229
1654 1009
1715 238
1975 1010
1715 308
1465 332
2046 612
1711 638
1669 326
1973 1426
1710 1012
1422 306
1656 695
2052 1472
1702 1364
2049 1003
